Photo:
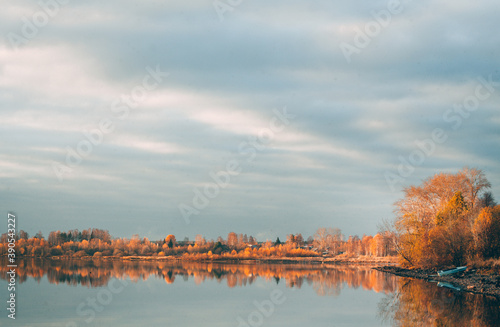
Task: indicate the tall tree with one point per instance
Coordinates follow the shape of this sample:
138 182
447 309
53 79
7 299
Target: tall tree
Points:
475 182
299 239
232 240
437 202
199 240
170 241
487 200
328 239
455 209
487 232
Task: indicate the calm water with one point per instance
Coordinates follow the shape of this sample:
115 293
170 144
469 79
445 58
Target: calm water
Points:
100 293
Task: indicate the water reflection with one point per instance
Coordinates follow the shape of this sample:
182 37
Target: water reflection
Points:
325 280
406 302
420 303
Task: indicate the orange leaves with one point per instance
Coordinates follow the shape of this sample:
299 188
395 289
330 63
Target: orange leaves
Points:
438 245
486 230
84 244
170 241
453 210
376 245
434 219
485 218
421 204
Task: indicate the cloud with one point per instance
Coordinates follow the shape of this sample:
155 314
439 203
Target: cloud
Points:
326 168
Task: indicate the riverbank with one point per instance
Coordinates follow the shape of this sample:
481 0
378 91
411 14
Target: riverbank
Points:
471 280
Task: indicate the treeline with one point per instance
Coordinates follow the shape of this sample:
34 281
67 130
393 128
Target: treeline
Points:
95 242
448 220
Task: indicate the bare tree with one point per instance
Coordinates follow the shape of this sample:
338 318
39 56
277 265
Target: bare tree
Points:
475 182
487 200
328 239
232 240
199 240
299 239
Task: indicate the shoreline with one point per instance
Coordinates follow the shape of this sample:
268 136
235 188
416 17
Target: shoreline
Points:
469 281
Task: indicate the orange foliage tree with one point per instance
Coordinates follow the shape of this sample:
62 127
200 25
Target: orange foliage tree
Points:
170 241
486 232
434 220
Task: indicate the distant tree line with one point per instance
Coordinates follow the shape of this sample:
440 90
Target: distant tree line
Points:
97 243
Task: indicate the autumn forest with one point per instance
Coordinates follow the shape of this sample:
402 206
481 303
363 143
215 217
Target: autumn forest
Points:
450 219
98 243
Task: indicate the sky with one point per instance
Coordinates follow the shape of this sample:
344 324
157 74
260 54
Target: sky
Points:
258 117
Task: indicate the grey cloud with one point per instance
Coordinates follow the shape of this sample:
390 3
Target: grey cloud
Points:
264 55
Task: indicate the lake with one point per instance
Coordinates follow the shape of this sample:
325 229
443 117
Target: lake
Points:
133 293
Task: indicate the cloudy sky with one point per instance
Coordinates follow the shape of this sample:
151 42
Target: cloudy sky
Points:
119 115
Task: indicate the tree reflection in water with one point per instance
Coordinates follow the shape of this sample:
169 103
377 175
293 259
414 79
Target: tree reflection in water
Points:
420 303
325 279
407 302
